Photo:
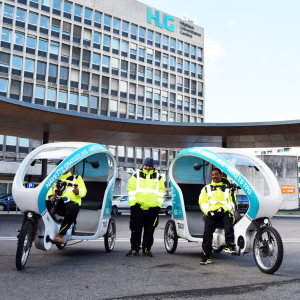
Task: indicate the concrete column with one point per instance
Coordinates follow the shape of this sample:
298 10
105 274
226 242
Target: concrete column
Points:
44 161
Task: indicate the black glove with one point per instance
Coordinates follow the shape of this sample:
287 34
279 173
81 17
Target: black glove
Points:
211 214
220 211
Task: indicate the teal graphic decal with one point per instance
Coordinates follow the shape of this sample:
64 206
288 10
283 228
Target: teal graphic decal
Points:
156 17
176 202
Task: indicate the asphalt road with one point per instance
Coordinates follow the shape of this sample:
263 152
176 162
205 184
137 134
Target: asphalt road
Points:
86 271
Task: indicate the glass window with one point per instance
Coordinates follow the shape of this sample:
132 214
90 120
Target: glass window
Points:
172 61
140 111
116 44
62 97
148 113
3 85
107 20
193 50
97 38
57 4
199 52
186 48
105 61
142 32
46 3
96 59
44 22
133 29
32 18
17 62
21 15
73 99
156 114
172 43
39 92
94 102
150 35
149 94
68 7
54 47
78 10
179 45
131 110
164 116
165 40
125 26
142 52
43 45
106 40
51 94
23 142
124 46
157 37
53 70
8 11
84 100
165 60
193 67
6 35
116 24
199 70
29 65
186 118
30 42
19 38
88 14
157 75
55 26
186 65
11 140
149 73
98 17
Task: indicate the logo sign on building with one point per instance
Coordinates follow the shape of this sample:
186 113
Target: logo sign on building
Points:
166 19
30 185
288 189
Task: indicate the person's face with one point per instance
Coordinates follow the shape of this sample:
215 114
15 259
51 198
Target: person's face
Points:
216 176
148 168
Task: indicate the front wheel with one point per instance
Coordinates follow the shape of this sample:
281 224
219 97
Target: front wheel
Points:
110 236
170 237
24 244
268 254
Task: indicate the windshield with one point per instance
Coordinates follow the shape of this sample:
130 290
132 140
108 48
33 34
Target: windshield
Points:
249 169
58 153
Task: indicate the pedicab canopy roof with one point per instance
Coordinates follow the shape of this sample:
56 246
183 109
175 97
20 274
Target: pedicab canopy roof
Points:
28 120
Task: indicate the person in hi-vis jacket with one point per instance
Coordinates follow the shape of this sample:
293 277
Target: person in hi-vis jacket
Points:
146 190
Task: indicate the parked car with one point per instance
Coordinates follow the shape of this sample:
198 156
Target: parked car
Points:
120 205
243 202
4 202
166 207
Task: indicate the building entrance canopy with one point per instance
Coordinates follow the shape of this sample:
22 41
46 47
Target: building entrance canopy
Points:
30 121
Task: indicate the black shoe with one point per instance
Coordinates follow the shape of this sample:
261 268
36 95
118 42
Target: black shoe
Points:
205 260
230 248
147 253
132 253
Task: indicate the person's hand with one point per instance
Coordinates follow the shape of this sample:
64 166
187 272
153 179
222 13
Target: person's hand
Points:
237 216
211 214
76 190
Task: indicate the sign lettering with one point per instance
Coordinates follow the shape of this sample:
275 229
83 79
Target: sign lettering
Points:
156 17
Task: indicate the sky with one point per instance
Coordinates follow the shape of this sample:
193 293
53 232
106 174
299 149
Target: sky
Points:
251 57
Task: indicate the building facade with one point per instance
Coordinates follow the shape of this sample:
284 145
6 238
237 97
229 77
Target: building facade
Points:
115 58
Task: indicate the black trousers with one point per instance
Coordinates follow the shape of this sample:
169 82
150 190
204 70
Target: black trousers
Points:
139 219
69 211
210 227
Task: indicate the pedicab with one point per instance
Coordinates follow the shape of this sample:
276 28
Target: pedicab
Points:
97 167
191 170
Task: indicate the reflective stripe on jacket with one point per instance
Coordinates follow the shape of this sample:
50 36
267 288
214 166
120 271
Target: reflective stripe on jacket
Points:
68 193
146 189
211 200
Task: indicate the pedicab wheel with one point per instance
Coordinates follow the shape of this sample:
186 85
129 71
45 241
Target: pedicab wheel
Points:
61 246
24 245
170 237
216 248
110 236
268 255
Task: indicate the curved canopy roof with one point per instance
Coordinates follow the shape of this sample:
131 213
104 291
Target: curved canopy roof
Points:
28 120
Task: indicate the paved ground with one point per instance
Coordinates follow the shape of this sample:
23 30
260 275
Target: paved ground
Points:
86 271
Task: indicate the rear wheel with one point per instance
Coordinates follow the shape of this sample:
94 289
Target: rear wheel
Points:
170 237
2 207
268 254
110 236
24 244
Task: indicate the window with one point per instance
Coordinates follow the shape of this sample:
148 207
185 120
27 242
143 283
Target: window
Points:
186 49
6 36
94 102
165 42
86 58
55 27
106 42
172 44
114 87
164 116
193 69
40 93
54 50
77 13
149 94
56 6
52 73
23 145
88 16
32 20
132 91
97 21
150 37
87 36
16 63
113 107
64 73
156 114
157 39
172 62
30 42
179 64
125 26
66 31
124 68
21 17
105 85
95 82
150 74
165 61
133 31
4 62
130 154
193 51
65 53
8 13
179 117
148 113
105 61
115 66
199 71
186 119
124 48
142 34
164 98
132 71
123 89
116 46
157 58
131 110
51 95
11 143
116 26
29 67
47 4
73 99
44 23
141 72
3 86
97 40
165 79
104 107
149 56
157 77
62 97
172 117
142 53
179 47
19 40
67 9
107 21
140 112
84 101
157 97
76 34
133 48
27 92
15 89
186 67
43 46
199 54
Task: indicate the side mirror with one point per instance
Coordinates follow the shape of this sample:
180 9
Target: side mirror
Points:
197 166
95 164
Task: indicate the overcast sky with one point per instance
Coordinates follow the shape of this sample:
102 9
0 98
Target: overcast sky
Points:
252 57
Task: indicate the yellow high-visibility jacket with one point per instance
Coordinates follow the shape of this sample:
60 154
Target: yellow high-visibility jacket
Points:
146 189
212 198
70 179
